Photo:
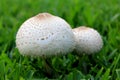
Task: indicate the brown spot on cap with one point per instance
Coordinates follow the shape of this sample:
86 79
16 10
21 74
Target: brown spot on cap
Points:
81 28
43 16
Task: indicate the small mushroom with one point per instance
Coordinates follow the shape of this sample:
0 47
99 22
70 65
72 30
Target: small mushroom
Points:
88 40
45 35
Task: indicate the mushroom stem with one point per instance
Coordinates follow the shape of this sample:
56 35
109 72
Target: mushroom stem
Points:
49 70
85 67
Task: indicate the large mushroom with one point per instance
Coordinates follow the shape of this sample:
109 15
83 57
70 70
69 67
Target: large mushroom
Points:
45 35
88 40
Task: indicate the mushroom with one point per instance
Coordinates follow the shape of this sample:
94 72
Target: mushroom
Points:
45 35
88 40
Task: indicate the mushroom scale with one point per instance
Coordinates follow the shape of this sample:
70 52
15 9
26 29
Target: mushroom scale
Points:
45 35
88 40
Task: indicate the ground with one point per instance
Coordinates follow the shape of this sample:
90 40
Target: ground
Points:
102 15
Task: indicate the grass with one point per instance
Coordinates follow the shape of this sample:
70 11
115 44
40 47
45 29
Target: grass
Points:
102 15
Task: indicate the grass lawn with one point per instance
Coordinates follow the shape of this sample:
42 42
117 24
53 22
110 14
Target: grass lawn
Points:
102 15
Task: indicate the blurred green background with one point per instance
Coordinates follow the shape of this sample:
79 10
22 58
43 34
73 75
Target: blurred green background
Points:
102 15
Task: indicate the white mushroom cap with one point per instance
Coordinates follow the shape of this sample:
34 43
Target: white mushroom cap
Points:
88 40
45 35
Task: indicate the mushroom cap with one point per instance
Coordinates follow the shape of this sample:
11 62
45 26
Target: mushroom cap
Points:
45 35
88 40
